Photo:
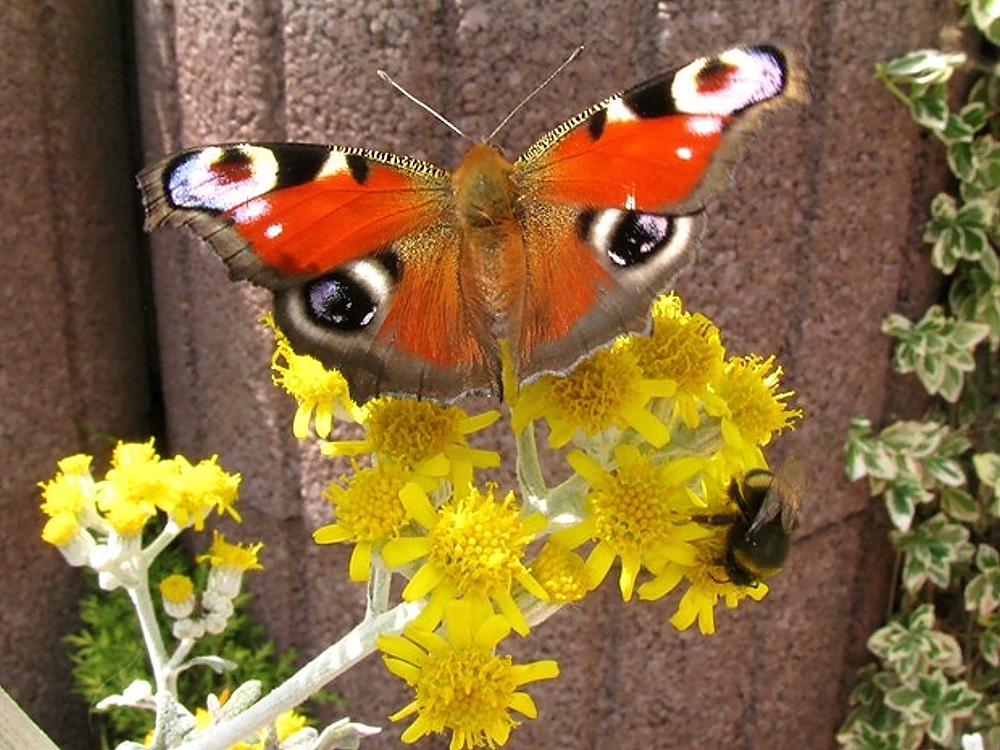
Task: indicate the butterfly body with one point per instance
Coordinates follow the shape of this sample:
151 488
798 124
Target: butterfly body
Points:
409 278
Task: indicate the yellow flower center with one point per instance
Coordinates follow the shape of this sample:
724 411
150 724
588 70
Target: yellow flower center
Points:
199 488
467 691
633 510
683 347
748 386
369 508
138 474
594 394
411 430
479 543
563 574
176 588
65 494
126 517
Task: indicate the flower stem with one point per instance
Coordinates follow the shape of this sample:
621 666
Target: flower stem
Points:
379 579
339 657
529 471
142 602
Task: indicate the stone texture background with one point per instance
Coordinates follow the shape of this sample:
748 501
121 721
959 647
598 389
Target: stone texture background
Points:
812 246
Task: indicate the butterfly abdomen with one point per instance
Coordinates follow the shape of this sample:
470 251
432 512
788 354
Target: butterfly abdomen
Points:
493 258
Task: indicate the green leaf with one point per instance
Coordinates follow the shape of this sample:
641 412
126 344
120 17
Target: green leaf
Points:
977 165
866 455
982 594
865 736
930 550
910 703
905 462
989 646
963 125
987 466
902 495
957 233
929 108
916 648
913 439
960 505
985 15
922 67
934 704
938 349
975 296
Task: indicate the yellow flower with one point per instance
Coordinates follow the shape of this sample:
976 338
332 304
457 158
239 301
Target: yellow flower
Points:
460 684
562 573
229 563
755 410
321 393
285 725
288 723
123 511
61 529
197 490
687 350
368 512
71 490
474 548
707 584
222 554
74 542
178 595
136 483
606 390
426 436
639 512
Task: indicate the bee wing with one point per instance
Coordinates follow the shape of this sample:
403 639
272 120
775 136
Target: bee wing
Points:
784 497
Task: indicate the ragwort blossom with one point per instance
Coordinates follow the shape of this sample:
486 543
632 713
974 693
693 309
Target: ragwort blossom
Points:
461 684
427 437
606 391
474 548
322 394
369 511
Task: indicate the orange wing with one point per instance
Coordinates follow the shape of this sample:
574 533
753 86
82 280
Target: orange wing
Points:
356 246
614 196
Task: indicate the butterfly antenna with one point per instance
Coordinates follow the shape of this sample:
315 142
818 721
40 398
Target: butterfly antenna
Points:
385 77
575 54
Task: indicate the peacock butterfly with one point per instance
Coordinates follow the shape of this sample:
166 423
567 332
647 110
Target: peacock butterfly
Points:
408 278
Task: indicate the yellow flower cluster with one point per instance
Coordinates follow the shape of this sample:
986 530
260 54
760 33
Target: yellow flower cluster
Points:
660 431
663 507
138 485
100 523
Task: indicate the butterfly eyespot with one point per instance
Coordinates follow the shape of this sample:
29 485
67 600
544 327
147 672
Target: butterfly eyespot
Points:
348 299
628 238
338 301
714 76
221 178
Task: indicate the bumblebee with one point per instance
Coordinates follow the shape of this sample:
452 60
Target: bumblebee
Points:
760 534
